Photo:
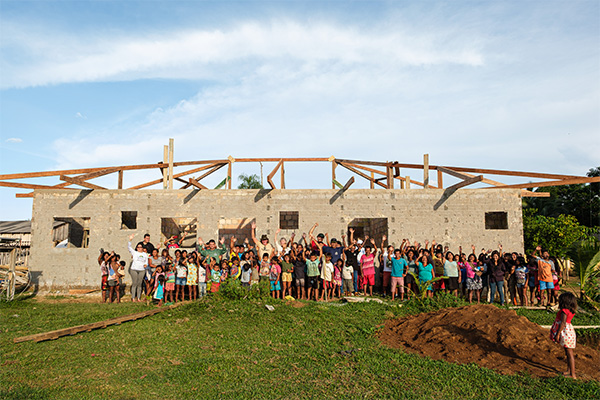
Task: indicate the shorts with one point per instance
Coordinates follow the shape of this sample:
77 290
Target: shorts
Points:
520 285
409 279
286 276
327 284
452 283
170 286
348 285
112 283
387 275
369 280
439 285
313 282
104 284
546 285
180 281
275 286
300 282
397 281
214 287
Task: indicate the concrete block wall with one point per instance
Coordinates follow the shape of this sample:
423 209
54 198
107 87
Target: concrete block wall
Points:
415 214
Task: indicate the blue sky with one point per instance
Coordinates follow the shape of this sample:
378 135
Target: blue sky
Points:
507 85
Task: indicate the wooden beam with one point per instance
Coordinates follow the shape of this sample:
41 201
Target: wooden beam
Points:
373 180
179 175
407 182
376 163
384 174
24 195
527 193
390 177
348 167
120 180
426 171
573 181
171 151
333 178
165 171
270 176
40 337
466 182
76 181
336 183
440 179
282 174
453 173
348 184
229 171
194 182
318 159
28 185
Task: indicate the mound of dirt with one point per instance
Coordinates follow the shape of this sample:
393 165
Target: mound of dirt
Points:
490 337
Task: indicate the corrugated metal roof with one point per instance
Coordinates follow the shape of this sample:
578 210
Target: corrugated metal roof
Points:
15 226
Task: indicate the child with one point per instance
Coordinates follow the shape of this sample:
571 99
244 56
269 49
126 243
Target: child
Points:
170 284
399 270
274 276
265 268
112 281
159 292
246 275
192 277
532 281
562 331
348 279
337 277
202 279
215 277
521 272
286 275
326 275
181 279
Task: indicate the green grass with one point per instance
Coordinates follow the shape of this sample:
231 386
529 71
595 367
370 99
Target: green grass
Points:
547 317
237 349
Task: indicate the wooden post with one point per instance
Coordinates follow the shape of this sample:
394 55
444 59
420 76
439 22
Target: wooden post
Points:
282 176
228 186
407 182
120 182
171 145
390 177
426 171
372 180
165 162
402 184
12 277
333 178
440 181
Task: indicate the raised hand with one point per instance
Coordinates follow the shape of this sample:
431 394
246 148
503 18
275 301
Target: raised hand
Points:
277 231
131 236
351 230
253 225
233 239
222 241
246 241
200 241
383 238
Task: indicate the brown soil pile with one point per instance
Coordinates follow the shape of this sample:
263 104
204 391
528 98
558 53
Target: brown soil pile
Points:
490 337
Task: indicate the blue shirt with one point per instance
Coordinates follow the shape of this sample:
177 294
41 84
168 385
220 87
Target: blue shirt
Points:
336 253
398 267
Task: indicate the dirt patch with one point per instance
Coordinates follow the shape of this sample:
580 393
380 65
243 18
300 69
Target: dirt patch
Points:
295 304
490 337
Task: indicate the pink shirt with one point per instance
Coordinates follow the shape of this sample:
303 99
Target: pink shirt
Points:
368 264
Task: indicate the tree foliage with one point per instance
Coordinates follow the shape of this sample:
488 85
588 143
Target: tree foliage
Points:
249 182
581 201
556 234
586 256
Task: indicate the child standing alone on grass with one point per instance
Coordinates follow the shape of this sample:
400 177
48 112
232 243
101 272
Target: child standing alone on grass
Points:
562 331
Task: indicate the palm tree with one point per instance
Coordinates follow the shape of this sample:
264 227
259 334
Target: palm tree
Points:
249 182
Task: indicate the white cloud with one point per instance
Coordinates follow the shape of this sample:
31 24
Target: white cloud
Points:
80 115
215 54
14 140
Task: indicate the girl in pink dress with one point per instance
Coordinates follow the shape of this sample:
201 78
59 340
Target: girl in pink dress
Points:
562 331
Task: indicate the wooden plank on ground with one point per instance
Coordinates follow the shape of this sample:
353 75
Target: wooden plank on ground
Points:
40 337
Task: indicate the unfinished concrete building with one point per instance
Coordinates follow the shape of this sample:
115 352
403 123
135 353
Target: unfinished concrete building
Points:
70 226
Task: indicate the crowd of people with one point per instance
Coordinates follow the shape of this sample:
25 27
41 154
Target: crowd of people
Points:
319 268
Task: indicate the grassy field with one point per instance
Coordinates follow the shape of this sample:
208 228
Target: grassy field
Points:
237 349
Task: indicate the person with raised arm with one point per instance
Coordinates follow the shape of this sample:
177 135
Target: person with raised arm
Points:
138 268
545 267
211 249
262 246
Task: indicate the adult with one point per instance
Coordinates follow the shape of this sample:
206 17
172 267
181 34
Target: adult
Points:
367 266
262 246
149 247
103 261
496 271
138 268
211 250
545 268
452 271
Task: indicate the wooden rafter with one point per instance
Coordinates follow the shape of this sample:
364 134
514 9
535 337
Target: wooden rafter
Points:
272 174
356 171
80 182
179 175
573 181
464 183
197 184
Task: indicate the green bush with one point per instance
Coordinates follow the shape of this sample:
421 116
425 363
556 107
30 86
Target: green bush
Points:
232 289
441 300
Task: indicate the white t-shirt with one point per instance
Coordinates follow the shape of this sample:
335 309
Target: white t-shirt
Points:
348 272
387 266
201 274
181 271
327 272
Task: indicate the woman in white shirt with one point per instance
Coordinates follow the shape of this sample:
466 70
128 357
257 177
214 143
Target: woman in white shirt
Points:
138 269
